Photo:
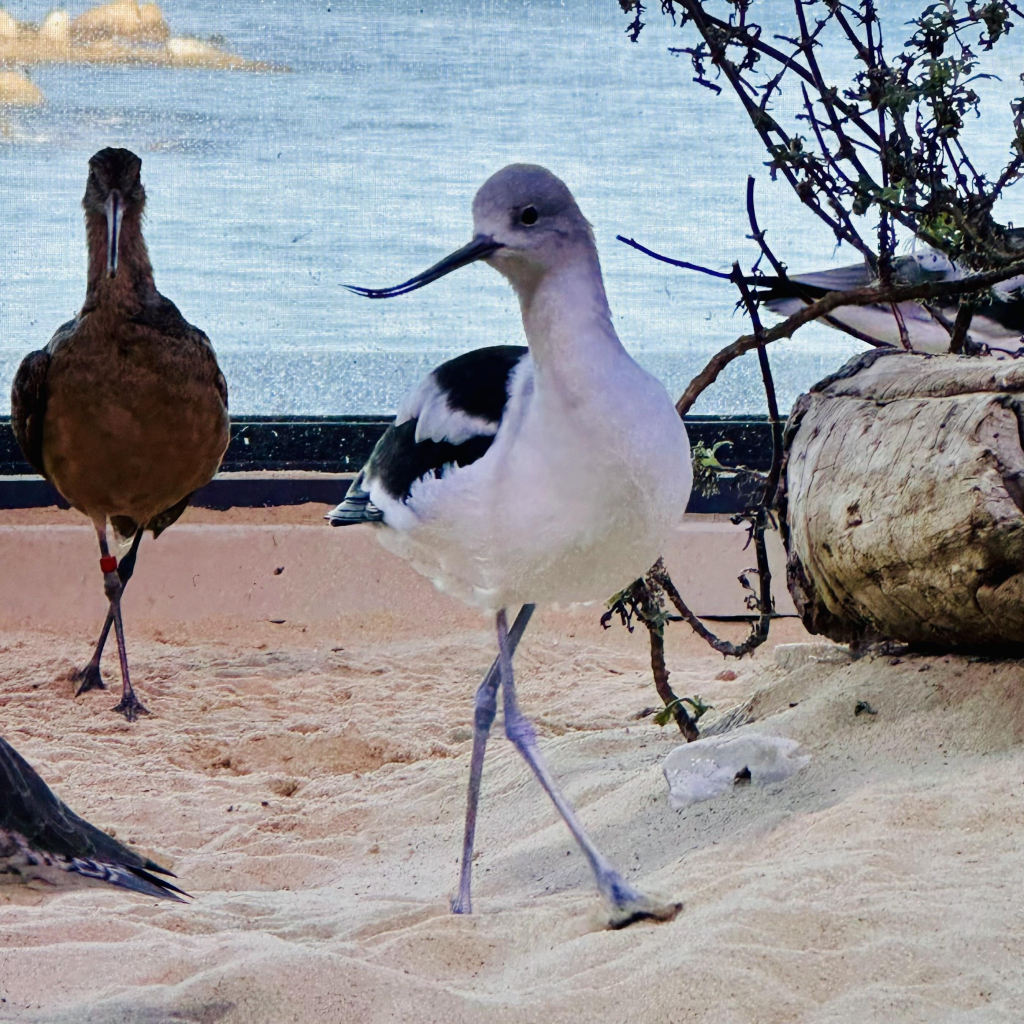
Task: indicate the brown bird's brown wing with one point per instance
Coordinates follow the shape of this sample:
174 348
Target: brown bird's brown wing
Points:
29 395
165 317
222 384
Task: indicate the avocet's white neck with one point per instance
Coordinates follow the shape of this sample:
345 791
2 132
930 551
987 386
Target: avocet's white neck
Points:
567 320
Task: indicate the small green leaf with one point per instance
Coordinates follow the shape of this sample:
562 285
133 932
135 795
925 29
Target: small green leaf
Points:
700 709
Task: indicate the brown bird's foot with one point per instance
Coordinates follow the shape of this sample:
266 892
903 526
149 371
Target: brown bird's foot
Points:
130 706
88 678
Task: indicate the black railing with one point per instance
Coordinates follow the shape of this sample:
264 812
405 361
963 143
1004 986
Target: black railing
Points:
333 445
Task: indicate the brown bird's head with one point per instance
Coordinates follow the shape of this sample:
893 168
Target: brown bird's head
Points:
112 191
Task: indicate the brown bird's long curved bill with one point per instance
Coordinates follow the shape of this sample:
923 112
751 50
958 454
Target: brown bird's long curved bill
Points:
480 248
114 209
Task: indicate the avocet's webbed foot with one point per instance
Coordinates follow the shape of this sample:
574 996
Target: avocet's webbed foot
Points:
88 678
629 905
130 706
640 907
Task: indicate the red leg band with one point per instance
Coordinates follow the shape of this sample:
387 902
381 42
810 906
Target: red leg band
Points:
108 563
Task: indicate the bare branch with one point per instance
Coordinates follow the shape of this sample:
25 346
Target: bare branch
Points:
764 125
901 326
675 263
660 577
961 326
758 236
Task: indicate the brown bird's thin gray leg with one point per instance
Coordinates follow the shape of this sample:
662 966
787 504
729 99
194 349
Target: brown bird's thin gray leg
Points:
90 677
483 717
627 904
130 706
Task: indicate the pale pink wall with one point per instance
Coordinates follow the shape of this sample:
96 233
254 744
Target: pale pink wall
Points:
202 571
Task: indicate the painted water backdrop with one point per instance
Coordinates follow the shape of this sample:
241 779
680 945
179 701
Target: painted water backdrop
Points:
269 191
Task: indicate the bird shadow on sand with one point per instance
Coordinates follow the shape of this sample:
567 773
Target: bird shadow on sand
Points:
126 1010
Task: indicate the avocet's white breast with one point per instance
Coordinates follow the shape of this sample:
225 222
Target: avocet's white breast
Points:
568 491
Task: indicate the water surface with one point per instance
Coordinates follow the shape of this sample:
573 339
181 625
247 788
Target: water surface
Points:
267 192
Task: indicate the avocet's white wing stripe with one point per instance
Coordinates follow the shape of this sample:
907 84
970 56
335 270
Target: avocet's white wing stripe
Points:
428 403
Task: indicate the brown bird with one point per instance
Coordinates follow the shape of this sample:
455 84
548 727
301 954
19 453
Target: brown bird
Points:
125 411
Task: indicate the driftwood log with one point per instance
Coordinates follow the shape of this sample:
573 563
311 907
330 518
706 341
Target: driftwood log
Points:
901 501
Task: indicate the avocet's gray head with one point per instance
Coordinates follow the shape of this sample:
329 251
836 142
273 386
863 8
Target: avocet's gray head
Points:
525 221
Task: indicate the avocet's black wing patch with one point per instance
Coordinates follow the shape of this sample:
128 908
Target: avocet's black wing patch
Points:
38 831
400 460
476 383
449 418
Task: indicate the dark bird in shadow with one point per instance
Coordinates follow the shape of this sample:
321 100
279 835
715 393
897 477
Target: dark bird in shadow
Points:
43 840
125 410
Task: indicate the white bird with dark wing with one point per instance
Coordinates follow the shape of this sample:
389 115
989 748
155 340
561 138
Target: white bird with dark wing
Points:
513 476
998 322
43 841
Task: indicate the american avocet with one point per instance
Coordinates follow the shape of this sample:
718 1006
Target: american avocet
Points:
513 476
125 410
43 840
998 321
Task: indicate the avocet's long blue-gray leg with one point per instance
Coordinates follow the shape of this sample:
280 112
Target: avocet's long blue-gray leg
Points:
483 717
627 904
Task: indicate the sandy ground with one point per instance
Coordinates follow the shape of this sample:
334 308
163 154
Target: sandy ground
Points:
306 782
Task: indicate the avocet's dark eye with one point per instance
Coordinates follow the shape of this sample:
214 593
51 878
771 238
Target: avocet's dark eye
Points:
528 216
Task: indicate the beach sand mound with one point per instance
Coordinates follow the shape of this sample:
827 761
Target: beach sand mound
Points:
307 785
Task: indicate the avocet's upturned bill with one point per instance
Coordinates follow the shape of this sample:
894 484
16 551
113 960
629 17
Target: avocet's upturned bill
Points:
513 476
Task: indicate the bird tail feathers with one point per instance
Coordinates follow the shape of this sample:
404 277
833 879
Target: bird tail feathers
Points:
356 508
126 877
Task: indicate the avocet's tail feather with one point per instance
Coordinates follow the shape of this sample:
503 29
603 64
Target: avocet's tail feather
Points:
356 508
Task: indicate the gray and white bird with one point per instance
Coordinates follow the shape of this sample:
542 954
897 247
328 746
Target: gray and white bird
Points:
998 322
43 841
512 476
